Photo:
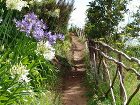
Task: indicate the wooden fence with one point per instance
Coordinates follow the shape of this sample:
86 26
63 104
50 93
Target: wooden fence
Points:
78 31
100 55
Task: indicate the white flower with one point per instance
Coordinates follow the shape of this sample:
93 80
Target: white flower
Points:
38 0
45 49
19 69
24 78
57 12
1 47
21 72
16 4
49 55
21 4
31 2
1 19
9 90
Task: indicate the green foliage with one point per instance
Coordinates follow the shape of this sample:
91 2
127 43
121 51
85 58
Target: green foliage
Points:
103 17
55 13
133 51
96 92
65 10
132 29
15 48
63 48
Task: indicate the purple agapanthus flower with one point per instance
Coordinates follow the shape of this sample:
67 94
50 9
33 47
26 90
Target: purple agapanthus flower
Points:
33 27
61 36
38 34
53 37
30 18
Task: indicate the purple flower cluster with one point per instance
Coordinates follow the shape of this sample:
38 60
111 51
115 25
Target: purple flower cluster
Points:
33 27
53 37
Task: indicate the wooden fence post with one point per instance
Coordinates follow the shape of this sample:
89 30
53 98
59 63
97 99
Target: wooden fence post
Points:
122 94
95 62
95 51
90 49
105 75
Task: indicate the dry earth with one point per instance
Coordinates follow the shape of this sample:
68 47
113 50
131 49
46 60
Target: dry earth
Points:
73 89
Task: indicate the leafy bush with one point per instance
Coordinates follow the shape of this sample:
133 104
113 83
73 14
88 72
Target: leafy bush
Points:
27 73
103 18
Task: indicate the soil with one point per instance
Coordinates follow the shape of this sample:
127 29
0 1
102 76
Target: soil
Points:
73 88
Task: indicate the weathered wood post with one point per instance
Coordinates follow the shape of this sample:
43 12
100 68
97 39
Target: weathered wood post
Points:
105 67
122 94
90 49
94 52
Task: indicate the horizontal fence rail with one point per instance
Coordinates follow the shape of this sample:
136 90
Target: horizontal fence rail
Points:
99 54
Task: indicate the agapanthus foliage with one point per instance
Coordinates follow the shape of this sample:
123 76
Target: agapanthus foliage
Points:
26 69
36 28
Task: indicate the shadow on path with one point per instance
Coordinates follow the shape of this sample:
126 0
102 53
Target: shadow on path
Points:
73 88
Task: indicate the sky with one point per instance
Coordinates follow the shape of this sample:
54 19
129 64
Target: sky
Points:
78 16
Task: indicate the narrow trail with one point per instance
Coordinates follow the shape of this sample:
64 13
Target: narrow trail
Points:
73 89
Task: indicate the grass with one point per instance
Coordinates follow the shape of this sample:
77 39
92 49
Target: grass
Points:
95 93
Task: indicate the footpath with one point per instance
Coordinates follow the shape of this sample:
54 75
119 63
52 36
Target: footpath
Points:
73 89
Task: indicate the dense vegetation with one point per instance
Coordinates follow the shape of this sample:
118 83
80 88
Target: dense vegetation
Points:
30 38
35 44
103 20
103 17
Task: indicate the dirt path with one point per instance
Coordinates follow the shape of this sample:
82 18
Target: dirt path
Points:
74 91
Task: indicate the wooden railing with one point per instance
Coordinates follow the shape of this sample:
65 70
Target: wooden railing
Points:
100 55
78 32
